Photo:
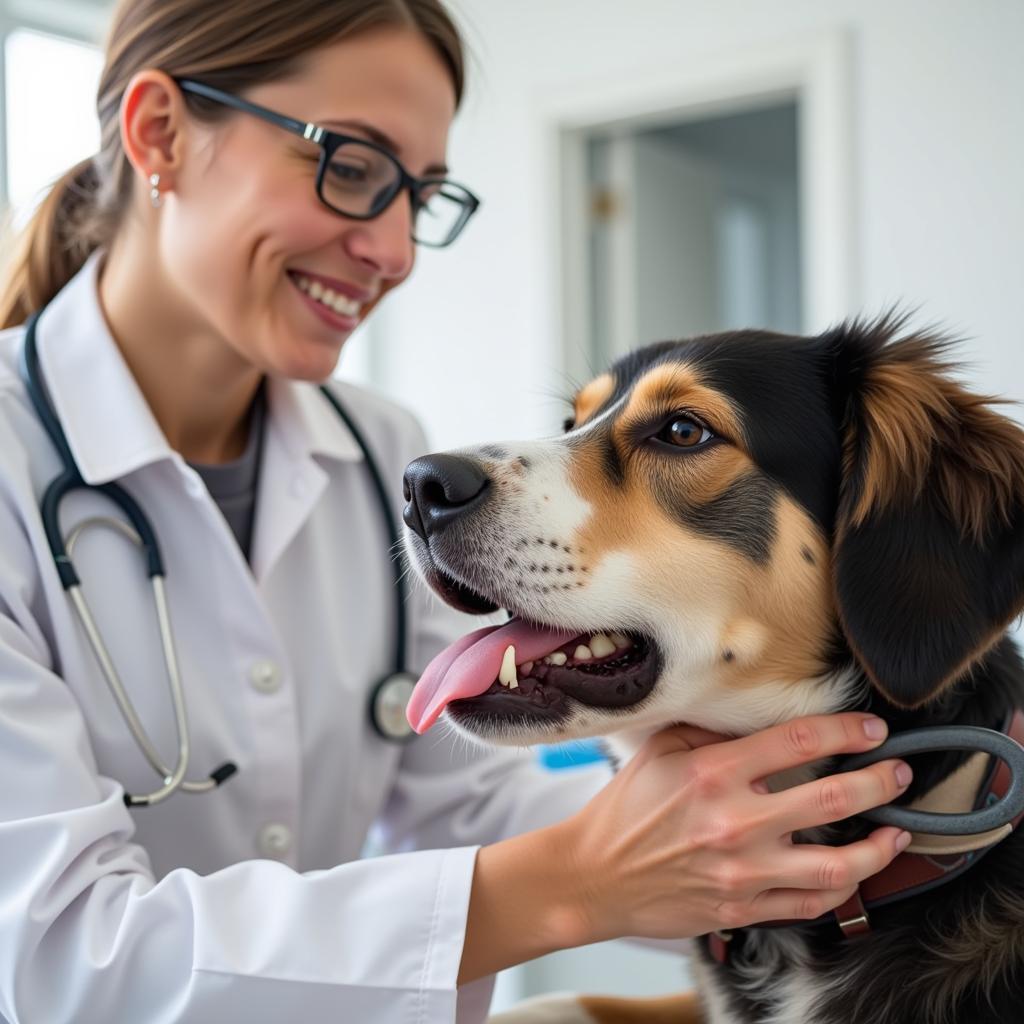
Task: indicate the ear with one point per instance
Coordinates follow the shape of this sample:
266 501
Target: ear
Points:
153 119
928 557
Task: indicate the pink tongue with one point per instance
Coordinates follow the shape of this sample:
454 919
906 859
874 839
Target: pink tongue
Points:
469 666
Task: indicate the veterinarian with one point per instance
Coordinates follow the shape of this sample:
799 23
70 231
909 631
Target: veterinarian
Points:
196 280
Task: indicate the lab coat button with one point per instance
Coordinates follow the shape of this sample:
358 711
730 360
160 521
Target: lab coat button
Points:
264 676
275 840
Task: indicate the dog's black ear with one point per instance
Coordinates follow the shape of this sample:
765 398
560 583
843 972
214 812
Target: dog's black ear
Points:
928 556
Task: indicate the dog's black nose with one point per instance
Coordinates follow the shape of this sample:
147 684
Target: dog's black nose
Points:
439 489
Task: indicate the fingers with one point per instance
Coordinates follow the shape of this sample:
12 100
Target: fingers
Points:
786 905
836 797
838 868
802 740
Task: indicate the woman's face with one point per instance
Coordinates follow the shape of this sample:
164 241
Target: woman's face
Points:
246 233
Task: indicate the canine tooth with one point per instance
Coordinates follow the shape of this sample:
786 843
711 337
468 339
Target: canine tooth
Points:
328 297
558 658
620 640
527 667
316 289
582 653
507 674
601 645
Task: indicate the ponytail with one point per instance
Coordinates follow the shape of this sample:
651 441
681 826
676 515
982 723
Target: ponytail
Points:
54 245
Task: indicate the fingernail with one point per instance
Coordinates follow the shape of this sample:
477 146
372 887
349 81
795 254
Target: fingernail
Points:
903 841
875 728
903 774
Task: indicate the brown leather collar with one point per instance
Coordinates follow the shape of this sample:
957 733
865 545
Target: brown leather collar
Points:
928 862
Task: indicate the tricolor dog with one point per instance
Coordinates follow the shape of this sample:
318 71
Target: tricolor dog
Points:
735 530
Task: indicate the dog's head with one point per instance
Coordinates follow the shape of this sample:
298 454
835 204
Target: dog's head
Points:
733 530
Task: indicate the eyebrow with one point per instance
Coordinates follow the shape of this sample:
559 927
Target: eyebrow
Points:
382 139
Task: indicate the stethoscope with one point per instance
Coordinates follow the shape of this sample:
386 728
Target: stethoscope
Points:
389 696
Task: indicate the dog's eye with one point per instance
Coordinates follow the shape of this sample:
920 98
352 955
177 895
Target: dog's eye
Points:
683 432
568 423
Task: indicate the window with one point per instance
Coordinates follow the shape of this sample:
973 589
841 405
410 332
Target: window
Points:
49 112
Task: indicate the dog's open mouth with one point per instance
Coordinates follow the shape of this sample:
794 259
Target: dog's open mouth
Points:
523 670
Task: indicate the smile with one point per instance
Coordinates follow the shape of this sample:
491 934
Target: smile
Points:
334 301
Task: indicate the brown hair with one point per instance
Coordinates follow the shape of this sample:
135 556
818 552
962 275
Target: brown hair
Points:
233 45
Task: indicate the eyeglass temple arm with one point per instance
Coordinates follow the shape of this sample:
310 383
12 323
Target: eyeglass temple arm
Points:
304 128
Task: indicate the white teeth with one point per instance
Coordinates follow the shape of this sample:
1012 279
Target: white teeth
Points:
333 300
558 658
620 640
601 645
507 674
582 653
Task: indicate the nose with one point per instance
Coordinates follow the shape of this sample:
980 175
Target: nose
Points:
385 243
439 489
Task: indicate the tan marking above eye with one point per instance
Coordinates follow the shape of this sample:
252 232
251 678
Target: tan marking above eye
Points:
679 386
592 397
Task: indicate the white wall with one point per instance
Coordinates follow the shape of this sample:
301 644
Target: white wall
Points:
472 341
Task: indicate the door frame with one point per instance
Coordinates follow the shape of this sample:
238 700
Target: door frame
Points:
815 70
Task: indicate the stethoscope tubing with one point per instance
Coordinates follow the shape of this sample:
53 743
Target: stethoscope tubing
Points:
939 738
140 531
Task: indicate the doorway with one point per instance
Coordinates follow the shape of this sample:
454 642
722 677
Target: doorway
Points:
693 227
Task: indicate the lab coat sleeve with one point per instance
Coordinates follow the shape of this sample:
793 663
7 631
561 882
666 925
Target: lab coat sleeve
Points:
450 792
87 933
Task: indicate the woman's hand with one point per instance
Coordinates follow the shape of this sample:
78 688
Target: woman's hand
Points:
686 839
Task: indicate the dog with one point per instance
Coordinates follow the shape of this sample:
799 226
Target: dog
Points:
733 531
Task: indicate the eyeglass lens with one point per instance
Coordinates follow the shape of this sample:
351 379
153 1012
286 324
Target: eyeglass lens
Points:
360 181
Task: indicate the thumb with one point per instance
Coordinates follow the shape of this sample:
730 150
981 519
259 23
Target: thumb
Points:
679 738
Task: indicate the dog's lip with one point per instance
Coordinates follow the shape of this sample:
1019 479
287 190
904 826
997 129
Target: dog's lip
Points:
456 593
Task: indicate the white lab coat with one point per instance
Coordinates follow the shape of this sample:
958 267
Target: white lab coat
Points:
246 904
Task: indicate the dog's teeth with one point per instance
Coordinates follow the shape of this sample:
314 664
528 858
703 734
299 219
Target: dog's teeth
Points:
620 640
507 674
558 658
582 653
527 667
601 645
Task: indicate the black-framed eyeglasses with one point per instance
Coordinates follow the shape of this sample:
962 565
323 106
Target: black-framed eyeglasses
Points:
360 179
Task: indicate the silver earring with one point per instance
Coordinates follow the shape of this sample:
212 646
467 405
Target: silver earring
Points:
154 190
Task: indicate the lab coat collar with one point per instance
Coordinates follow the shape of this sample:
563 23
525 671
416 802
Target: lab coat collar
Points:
109 426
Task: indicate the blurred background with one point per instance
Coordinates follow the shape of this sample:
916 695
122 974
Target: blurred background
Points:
652 170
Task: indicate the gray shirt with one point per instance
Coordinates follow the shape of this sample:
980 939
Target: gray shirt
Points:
232 485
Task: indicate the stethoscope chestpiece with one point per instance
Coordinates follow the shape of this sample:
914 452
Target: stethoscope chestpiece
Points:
388 702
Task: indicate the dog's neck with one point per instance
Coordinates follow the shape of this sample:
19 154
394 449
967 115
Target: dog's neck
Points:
982 697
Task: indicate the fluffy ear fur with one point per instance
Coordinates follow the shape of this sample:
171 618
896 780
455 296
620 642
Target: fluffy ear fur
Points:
928 556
